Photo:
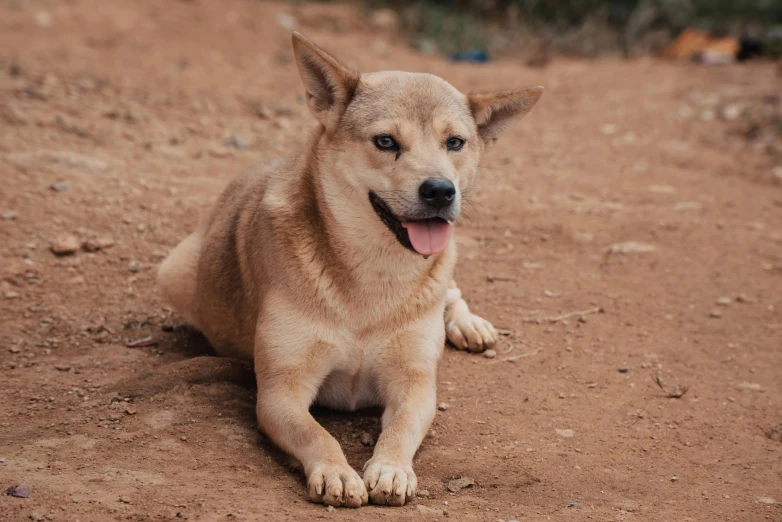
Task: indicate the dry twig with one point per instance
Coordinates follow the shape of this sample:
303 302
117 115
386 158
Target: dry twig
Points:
556 319
675 392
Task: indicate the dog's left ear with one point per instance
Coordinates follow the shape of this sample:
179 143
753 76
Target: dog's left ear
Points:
493 112
329 85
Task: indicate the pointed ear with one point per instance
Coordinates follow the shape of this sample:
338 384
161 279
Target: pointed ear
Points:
328 84
494 111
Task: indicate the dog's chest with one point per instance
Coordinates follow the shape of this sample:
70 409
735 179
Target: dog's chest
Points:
345 391
352 383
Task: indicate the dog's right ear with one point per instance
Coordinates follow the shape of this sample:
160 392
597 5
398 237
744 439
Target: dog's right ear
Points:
328 84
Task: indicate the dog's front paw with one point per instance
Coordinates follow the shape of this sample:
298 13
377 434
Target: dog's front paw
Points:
389 483
470 332
336 485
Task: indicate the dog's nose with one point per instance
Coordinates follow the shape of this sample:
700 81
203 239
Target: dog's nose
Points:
437 192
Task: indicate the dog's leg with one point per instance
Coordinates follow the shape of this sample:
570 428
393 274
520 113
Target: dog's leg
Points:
464 329
389 475
284 397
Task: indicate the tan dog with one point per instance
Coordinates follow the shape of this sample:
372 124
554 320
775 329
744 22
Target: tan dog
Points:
332 270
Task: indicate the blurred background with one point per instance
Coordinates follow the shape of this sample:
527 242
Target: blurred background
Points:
586 28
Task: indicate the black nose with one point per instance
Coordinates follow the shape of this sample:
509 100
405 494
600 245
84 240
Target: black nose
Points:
437 192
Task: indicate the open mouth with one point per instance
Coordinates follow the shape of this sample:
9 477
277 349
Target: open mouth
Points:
424 236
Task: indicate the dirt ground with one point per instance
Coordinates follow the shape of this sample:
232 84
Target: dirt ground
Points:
629 188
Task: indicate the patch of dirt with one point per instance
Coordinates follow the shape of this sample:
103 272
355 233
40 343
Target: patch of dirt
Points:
121 121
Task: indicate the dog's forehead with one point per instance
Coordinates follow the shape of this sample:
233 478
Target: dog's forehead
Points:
404 96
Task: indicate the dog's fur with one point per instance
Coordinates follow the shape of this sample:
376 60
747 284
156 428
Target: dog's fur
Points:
294 270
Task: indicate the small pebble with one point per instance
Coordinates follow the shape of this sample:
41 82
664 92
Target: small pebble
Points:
20 491
367 440
61 186
423 493
330 509
63 367
237 141
96 244
456 485
490 354
183 438
715 314
674 479
723 301
65 245
561 395
9 216
624 369
442 406
134 267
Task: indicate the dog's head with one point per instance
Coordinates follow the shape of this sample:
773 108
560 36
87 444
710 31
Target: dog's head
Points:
410 142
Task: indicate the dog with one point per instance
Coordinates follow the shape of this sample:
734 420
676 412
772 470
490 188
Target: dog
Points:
332 270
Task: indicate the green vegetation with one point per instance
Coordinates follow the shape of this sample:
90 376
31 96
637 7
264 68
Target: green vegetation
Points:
582 27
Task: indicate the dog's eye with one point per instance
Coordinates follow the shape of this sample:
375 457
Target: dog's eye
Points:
454 143
385 142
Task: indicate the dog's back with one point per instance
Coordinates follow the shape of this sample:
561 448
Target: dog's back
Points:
205 278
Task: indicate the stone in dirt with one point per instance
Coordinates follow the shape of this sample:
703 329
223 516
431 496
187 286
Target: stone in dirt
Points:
490 354
367 440
567 433
99 243
20 491
65 245
662 189
237 141
9 216
631 247
442 406
426 510
459 484
687 205
61 186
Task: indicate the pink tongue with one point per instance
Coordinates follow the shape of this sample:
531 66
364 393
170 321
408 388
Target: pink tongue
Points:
430 236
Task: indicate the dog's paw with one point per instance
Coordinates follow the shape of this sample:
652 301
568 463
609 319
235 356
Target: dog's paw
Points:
389 483
336 485
470 332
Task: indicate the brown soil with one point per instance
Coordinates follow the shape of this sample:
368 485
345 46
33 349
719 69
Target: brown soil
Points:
131 103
